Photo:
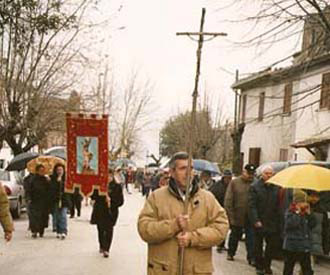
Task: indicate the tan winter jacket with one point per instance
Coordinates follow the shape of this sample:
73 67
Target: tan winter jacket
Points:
5 217
158 227
236 201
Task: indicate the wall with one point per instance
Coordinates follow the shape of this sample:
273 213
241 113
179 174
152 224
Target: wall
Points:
312 120
278 131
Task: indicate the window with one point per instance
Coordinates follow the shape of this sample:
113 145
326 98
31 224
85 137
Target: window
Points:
261 106
325 91
244 102
254 156
284 154
287 99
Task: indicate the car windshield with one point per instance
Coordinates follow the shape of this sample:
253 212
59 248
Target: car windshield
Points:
4 175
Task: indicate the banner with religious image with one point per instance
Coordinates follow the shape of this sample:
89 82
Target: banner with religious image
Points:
87 153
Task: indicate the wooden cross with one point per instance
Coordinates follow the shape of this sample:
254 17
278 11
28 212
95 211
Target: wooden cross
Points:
201 36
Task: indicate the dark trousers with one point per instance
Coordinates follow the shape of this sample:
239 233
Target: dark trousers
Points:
105 237
303 258
264 258
75 204
236 235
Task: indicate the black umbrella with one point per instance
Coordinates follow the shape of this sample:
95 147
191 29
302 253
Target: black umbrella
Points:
19 162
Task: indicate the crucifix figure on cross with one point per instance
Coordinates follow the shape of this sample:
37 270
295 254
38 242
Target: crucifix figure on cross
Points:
201 40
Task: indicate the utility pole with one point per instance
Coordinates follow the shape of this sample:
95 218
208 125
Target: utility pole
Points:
237 133
201 36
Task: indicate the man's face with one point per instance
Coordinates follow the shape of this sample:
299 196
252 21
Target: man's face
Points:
227 179
267 174
247 175
179 173
205 176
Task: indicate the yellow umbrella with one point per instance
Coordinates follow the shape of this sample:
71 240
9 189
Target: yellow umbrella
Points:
47 161
305 176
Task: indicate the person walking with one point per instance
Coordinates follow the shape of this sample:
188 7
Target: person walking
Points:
218 189
5 217
38 197
105 213
61 202
206 180
298 225
147 183
27 181
162 225
129 178
264 214
76 199
164 178
236 204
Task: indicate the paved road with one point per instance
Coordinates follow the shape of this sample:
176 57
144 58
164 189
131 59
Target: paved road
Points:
78 254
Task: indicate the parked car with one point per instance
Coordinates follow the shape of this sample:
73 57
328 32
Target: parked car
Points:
13 184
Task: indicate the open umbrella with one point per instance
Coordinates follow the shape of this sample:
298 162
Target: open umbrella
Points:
205 165
57 151
47 161
305 176
124 162
20 161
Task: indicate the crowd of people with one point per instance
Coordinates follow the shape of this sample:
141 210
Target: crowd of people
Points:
272 219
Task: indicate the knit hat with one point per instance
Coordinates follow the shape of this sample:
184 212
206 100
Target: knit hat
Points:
299 196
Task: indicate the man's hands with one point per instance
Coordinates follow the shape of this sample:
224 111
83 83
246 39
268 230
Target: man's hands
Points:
184 239
8 236
182 221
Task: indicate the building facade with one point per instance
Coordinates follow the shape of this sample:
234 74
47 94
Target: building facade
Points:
286 111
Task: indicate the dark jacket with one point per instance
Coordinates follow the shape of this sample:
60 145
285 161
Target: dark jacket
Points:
218 189
38 194
297 231
264 206
102 215
325 226
236 201
59 198
38 191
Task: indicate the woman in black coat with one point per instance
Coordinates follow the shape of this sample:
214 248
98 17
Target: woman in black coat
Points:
105 213
38 198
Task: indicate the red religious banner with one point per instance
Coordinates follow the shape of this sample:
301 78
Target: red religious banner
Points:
87 153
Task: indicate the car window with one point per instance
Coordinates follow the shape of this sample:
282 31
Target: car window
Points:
4 175
18 177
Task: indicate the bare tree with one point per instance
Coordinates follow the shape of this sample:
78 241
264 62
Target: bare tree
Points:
35 60
279 20
210 135
133 110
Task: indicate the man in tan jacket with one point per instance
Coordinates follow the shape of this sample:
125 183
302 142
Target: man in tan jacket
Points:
5 217
162 225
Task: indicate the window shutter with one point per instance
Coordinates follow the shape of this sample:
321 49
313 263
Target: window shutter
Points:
287 99
254 156
284 154
261 106
325 91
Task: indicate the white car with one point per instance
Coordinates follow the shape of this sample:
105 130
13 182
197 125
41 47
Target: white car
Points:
13 184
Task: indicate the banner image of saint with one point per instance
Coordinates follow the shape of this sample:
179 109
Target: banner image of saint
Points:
87 155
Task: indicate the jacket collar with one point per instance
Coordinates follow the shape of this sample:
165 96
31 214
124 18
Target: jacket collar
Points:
174 190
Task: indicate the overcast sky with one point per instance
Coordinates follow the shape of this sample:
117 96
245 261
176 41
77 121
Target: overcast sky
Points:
149 43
